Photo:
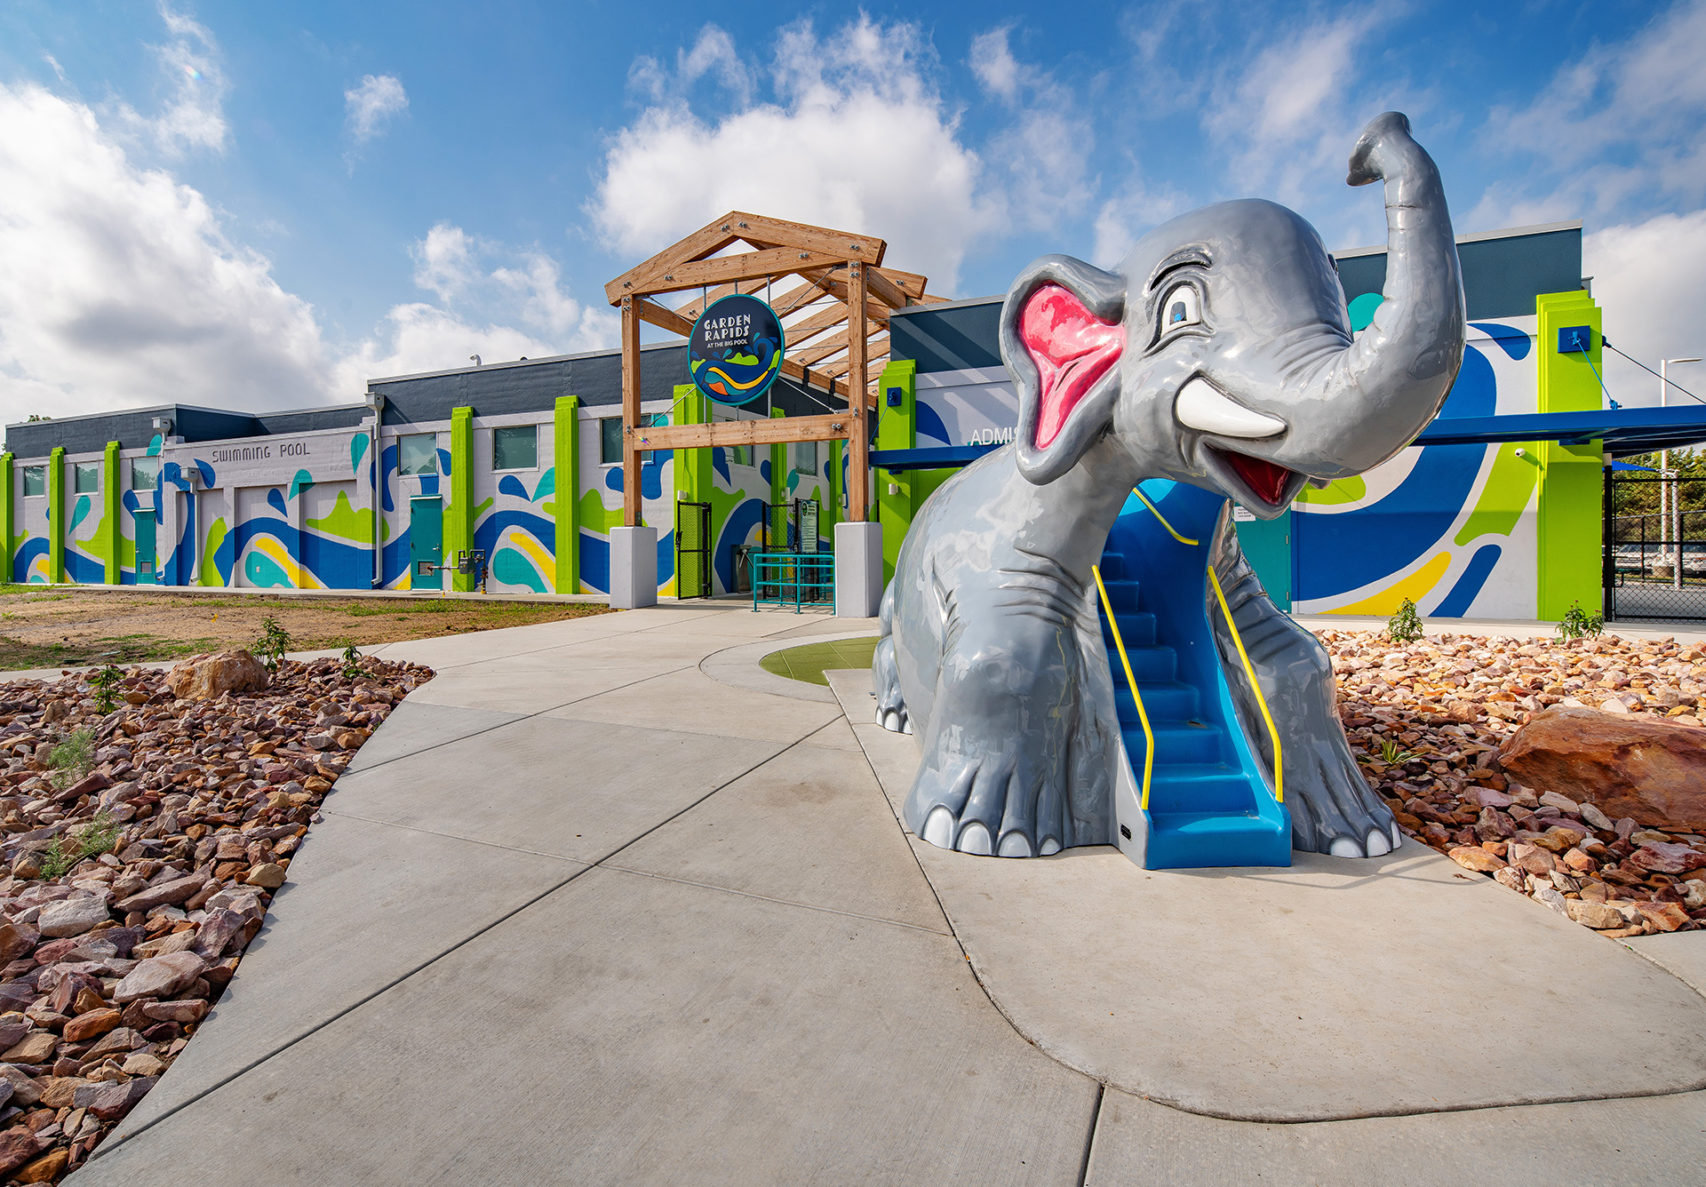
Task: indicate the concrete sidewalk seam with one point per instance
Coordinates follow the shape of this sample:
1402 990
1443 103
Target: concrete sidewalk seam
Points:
781 902
1090 1139
520 717
432 960
433 832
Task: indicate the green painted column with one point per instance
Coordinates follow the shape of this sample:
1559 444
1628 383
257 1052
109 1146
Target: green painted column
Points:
832 513
110 533
7 514
565 451
778 465
695 478
459 515
897 428
1571 476
56 515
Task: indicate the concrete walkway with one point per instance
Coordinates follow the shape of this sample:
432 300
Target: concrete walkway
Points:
606 902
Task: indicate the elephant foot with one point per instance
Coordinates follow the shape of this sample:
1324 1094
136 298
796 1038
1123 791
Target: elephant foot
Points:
1334 811
989 810
896 720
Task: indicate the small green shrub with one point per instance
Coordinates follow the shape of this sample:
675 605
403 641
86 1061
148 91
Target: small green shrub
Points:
352 662
72 757
105 682
1578 622
1394 755
97 837
1406 625
272 643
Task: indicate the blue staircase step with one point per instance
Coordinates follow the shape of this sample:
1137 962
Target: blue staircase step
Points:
1114 567
1122 594
1177 742
1200 787
1163 701
1136 630
1195 840
1152 665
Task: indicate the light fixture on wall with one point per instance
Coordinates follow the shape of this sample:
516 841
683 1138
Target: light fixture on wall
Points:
475 358
163 425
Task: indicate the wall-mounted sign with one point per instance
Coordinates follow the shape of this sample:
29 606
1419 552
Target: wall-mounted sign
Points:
735 351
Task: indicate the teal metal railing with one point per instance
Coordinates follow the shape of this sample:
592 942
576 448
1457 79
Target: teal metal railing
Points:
794 579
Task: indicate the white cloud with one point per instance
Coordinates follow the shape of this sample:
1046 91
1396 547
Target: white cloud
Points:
120 287
1616 133
444 261
193 115
712 54
496 302
993 62
372 104
1650 278
857 138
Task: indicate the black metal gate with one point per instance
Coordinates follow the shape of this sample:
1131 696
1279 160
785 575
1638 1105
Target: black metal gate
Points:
789 527
693 550
1655 546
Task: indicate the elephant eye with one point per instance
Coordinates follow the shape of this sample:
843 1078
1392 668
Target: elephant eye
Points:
1182 306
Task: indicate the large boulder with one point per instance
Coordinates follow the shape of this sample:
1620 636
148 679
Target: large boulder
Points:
204 676
1650 770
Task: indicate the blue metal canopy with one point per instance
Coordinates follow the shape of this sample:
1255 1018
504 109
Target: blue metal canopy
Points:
1622 432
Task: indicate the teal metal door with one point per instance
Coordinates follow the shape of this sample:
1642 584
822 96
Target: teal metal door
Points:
1267 545
426 542
147 563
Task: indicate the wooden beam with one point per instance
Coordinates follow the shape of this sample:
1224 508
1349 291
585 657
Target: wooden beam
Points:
876 349
713 236
910 283
664 319
829 427
799 374
858 442
773 261
761 231
885 290
630 413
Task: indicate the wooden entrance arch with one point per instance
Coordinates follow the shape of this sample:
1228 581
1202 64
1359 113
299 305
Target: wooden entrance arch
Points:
835 309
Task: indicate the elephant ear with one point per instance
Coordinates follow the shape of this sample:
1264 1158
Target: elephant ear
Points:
1062 336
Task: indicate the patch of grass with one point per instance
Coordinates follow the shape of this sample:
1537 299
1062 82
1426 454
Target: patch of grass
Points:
105 682
97 837
122 649
50 597
808 663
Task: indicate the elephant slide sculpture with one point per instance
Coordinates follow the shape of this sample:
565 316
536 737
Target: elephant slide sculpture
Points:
1216 364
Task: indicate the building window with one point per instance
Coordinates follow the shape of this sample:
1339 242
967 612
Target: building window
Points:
610 441
144 473
805 457
86 478
515 448
35 480
417 454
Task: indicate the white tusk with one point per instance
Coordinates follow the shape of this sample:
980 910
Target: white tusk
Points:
1201 406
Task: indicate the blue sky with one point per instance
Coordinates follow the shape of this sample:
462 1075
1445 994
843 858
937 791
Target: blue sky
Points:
264 205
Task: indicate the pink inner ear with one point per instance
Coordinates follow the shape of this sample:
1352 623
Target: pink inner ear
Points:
1072 349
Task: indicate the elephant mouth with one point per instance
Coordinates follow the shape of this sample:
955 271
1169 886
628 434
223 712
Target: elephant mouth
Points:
1261 485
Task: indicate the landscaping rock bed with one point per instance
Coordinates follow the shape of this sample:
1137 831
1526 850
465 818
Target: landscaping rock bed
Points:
143 845
1428 721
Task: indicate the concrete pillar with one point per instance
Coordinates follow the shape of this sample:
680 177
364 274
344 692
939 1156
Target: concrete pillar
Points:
633 567
858 569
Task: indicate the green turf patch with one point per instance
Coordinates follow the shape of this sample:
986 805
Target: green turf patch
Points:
809 663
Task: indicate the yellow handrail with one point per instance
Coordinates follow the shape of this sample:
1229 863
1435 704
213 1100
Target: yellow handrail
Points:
1170 529
1261 701
1148 735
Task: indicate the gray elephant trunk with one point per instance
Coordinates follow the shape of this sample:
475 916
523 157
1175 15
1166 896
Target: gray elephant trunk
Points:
1400 368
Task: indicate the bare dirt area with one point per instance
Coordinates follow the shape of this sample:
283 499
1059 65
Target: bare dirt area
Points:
65 626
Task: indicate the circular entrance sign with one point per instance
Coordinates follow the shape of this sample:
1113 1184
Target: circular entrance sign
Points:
735 351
